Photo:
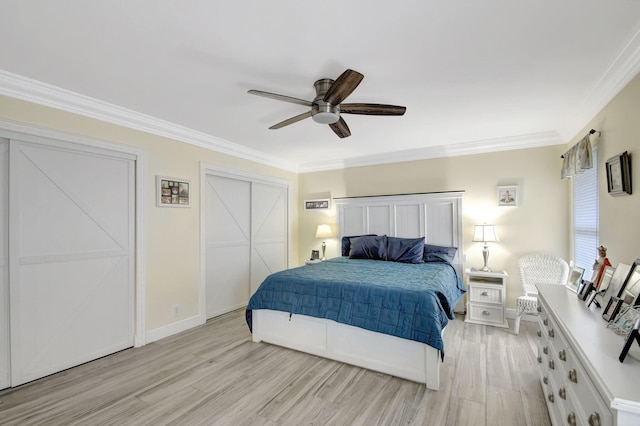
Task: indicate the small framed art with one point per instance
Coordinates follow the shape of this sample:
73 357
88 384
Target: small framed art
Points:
575 278
173 192
317 204
508 195
605 279
612 309
626 320
630 291
619 175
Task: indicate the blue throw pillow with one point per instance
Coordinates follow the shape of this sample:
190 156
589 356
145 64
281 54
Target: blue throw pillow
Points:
346 243
405 250
435 253
369 247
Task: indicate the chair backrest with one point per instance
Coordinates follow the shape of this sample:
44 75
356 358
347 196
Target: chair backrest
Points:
541 268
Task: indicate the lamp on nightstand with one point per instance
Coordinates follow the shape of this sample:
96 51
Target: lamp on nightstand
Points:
485 234
324 231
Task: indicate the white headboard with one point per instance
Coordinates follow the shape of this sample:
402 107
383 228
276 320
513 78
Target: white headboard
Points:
436 216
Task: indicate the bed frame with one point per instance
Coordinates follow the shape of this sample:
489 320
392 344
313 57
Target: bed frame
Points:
437 216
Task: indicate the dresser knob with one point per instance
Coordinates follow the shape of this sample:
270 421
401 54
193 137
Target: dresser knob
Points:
539 308
573 376
545 350
562 355
539 333
571 419
562 393
551 333
545 380
545 321
552 365
594 419
486 313
539 360
551 398
484 293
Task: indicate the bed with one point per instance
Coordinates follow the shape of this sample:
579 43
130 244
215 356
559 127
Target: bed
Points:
403 343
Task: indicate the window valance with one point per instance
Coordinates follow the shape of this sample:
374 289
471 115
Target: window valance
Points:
579 158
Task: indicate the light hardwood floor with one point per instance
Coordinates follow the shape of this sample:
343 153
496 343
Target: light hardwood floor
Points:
214 374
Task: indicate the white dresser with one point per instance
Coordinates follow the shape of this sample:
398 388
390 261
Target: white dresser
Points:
582 379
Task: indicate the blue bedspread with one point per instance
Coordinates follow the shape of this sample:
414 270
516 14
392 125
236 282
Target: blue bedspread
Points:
411 301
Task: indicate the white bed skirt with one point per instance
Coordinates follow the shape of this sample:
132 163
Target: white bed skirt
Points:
392 355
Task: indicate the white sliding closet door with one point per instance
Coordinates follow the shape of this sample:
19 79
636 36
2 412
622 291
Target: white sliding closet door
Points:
71 264
269 231
228 244
5 378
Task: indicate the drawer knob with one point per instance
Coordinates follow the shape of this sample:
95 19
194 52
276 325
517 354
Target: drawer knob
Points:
484 293
562 355
551 398
545 380
539 308
551 333
552 364
539 333
545 321
571 419
486 313
562 393
545 350
573 376
539 360
594 419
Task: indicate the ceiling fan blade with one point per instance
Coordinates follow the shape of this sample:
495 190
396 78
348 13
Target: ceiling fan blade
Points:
280 97
291 120
343 86
372 109
340 128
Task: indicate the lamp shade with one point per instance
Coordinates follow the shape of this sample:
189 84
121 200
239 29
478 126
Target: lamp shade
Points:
324 231
485 233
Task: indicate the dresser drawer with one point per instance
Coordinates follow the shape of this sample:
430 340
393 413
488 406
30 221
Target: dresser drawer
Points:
486 294
487 314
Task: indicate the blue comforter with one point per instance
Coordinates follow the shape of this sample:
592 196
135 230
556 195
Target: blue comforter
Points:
411 301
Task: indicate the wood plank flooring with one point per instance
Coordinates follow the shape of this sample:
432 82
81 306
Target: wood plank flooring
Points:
214 374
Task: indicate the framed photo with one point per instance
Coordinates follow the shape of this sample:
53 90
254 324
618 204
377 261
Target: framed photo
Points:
171 192
317 204
575 278
619 175
626 320
619 275
584 289
630 291
508 195
605 279
612 309
589 300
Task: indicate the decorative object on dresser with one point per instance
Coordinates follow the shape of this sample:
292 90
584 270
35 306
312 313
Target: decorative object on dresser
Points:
630 291
633 336
581 384
537 268
485 234
487 292
575 279
619 174
324 232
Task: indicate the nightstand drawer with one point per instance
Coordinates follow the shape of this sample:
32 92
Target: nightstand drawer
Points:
486 314
486 294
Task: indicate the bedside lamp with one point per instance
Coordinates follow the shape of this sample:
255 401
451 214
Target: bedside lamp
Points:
485 234
324 231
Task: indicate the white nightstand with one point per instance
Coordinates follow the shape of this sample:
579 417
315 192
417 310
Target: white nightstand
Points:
486 296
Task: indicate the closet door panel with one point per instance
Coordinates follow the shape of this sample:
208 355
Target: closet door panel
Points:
269 223
71 271
228 248
5 378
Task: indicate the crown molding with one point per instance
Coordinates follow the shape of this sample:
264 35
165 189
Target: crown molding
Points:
532 140
20 87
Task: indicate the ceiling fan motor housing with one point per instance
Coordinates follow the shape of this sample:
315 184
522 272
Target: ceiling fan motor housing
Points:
321 111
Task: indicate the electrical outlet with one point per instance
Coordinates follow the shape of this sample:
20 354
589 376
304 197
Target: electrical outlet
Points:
176 310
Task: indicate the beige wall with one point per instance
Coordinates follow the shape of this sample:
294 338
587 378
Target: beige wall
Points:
172 236
540 223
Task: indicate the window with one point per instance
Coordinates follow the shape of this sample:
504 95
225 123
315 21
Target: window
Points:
585 217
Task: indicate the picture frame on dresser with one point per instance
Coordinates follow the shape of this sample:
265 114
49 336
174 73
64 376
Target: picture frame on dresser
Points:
612 309
630 290
575 278
626 320
605 280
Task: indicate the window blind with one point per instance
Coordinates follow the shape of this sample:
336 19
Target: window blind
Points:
585 217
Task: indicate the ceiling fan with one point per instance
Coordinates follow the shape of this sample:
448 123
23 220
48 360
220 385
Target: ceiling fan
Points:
327 106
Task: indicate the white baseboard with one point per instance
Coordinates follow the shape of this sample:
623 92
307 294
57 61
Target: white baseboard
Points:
173 328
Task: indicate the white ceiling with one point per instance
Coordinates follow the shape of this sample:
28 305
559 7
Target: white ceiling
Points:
474 75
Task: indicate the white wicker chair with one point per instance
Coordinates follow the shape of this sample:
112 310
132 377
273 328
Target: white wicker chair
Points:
537 269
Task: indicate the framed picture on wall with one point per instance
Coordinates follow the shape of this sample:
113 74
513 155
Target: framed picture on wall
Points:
317 204
508 195
619 175
172 192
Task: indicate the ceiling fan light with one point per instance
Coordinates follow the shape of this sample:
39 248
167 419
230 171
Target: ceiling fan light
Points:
326 117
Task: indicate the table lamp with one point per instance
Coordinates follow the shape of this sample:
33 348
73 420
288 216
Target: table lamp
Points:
485 234
324 231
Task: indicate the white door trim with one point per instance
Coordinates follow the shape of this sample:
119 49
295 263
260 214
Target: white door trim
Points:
210 169
31 133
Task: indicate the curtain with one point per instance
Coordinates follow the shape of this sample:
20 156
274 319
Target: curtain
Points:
577 159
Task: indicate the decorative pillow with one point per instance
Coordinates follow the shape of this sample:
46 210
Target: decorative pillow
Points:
346 242
369 247
405 250
435 253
